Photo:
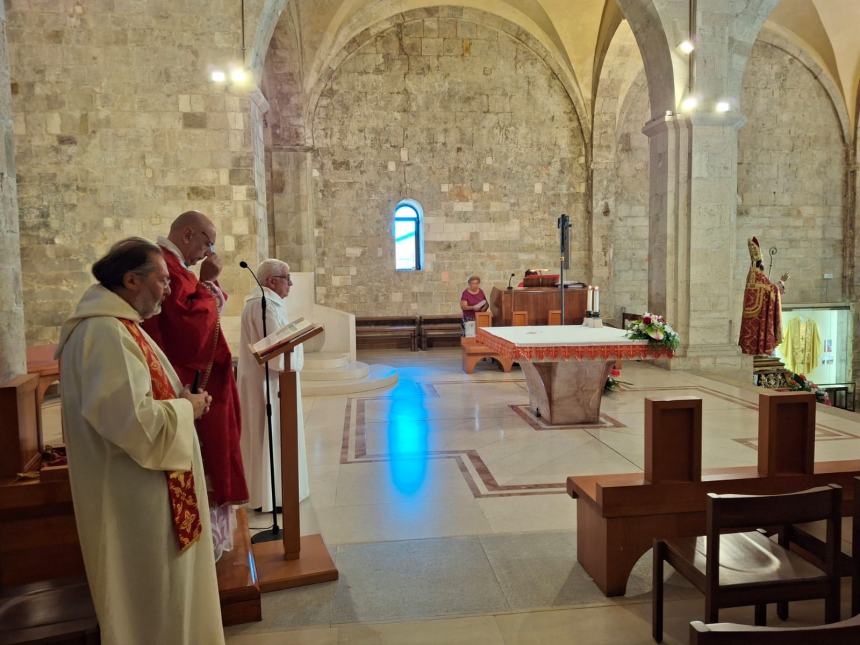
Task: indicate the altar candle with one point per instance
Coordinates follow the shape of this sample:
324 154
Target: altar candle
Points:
590 298
596 299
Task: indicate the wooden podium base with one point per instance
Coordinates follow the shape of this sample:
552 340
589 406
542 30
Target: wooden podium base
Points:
313 565
238 586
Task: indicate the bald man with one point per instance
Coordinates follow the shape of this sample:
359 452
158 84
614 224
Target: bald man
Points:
188 330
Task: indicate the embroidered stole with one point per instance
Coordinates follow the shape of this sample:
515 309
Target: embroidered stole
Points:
180 485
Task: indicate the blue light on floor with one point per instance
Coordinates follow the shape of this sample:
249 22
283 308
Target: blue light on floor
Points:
408 431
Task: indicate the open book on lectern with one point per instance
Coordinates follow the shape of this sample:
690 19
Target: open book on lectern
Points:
298 330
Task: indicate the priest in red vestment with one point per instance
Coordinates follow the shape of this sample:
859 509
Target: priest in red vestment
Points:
761 322
188 330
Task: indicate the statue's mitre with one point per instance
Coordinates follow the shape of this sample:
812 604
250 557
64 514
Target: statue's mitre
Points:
755 250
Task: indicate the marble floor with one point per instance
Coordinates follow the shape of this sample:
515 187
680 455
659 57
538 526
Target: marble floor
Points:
444 506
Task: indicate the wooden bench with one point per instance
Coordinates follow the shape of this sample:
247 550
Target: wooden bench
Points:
474 352
386 331
52 611
620 515
444 327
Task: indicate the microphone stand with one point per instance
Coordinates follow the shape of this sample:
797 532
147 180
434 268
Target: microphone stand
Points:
511 279
564 227
275 532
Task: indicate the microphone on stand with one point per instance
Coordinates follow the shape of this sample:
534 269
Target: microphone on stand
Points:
510 279
275 532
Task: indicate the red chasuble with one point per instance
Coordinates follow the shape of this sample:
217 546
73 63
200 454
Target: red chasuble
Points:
761 323
189 333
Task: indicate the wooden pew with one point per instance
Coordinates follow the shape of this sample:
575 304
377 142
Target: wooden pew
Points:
39 542
386 331
55 611
444 327
620 515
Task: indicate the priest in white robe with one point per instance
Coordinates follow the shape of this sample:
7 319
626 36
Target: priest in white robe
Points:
135 469
274 275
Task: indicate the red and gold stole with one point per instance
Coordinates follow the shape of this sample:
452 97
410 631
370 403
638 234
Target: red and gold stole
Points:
180 485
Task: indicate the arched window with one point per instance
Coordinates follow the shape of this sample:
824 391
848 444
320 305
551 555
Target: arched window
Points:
408 236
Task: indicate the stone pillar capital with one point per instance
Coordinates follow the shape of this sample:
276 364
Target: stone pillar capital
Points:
672 120
662 124
729 120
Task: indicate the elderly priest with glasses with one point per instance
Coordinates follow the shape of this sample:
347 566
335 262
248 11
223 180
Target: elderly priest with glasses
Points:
274 276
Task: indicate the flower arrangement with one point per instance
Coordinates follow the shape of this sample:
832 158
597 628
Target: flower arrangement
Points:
799 383
614 382
656 331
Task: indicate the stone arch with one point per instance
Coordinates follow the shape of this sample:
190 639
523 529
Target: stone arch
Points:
263 26
360 36
660 69
481 132
790 184
780 41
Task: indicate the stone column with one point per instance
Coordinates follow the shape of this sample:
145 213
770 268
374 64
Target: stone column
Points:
293 199
693 207
13 349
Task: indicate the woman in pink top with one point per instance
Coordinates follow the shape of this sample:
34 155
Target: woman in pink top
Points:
473 299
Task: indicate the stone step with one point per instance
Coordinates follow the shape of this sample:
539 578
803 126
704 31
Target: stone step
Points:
379 377
325 361
350 372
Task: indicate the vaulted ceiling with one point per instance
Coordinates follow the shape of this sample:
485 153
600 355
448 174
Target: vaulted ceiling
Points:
578 32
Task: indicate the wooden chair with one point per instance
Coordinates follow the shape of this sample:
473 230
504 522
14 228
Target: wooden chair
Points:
554 317
483 319
811 537
628 318
739 569
520 319
846 632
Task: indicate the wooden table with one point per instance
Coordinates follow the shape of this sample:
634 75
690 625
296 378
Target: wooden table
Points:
566 366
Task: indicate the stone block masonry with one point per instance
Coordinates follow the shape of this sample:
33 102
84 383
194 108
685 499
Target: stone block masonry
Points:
468 121
118 129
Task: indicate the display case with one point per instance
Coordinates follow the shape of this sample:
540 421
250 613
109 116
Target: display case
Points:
817 341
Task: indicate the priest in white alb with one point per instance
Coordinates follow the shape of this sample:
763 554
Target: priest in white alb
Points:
135 470
274 275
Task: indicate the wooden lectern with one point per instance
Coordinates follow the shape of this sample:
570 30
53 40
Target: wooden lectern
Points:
295 561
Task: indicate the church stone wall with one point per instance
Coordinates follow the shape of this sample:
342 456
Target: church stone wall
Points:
791 174
119 129
469 122
790 180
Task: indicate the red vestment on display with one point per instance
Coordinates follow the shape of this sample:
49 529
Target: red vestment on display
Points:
188 330
761 322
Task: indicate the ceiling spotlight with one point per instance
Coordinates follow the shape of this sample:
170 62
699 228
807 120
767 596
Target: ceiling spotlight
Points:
238 75
689 104
723 106
687 47
218 76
